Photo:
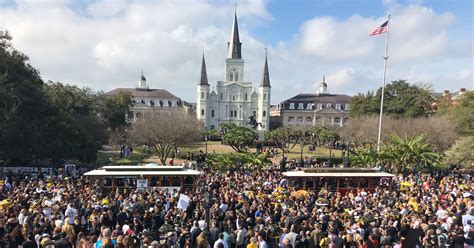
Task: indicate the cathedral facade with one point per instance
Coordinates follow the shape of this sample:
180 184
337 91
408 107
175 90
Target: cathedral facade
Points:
234 100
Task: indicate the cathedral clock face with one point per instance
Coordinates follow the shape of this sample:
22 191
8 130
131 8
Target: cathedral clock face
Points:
234 89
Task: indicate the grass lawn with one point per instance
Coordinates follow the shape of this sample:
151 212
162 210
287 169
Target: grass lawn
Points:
212 147
217 147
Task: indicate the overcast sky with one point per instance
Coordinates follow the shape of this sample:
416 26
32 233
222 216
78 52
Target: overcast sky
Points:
104 44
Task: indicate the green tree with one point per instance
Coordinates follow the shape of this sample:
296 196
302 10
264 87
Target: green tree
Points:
23 107
114 109
362 104
461 153
401 99
162 133
238 137
285 138
410 154
463 114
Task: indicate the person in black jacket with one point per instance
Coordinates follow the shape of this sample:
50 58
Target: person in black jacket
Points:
63 242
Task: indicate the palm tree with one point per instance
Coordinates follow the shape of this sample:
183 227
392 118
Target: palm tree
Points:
412 153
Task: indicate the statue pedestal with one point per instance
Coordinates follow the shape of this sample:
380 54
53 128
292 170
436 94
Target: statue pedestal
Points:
261 135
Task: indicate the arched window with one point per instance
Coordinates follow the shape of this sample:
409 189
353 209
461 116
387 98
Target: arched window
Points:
309 120
346 121
245 97
337 121
300 119
202 95
236 76
264 113
212 113
319 120
202 111
222 95
291 120
231 77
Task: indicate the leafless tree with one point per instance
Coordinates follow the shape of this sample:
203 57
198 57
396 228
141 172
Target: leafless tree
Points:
161 133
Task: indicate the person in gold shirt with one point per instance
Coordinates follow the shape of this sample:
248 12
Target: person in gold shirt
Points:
253 243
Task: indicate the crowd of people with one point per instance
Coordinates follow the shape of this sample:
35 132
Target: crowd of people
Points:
247 209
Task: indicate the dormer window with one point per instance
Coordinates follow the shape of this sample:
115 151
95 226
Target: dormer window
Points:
338 106
320 106
347 107
292 106
309 106
300 106
328 105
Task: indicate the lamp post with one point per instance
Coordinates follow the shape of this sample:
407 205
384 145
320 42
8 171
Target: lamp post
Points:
207 201
301 155
205 138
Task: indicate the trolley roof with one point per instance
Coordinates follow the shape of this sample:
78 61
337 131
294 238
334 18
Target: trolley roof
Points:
338 172
147 170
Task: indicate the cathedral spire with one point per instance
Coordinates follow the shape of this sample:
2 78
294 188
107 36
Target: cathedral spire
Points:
234 45
203 80
266 76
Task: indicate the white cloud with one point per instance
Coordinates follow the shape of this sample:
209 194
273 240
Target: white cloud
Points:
108 42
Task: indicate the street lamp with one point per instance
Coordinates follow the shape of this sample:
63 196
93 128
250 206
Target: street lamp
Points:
205 138
207 200
301 155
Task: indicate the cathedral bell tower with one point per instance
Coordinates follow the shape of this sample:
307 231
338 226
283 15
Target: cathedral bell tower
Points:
264 91
202 95
234 64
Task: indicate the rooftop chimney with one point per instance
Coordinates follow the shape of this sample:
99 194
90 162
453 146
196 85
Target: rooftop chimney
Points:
446 93
462 91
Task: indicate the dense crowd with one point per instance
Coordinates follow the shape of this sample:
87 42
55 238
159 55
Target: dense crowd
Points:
246 209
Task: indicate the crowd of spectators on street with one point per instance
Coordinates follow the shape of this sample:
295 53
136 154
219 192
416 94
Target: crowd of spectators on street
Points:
247 209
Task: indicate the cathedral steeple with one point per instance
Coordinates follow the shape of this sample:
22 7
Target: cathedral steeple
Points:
203 80
266 76
234 45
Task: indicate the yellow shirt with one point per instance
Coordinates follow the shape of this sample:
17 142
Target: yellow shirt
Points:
252 245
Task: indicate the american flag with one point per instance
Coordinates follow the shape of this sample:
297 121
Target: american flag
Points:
382 29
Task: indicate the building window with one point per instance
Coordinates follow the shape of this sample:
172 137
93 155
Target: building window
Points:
291 120
309 106
212 113
319 120
300 106
264 97
236 76
346 121
337 121
202 111
245 97
300 119
292 106
328 105
233 98
338 106
152 103
222 96
347 107
202 95
264 113
231 77
309 120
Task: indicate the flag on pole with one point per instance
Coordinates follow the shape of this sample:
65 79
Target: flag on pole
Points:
382 29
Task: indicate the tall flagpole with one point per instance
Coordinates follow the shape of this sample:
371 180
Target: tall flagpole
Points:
383 85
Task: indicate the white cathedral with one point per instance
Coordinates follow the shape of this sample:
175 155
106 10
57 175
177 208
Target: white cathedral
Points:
234 99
